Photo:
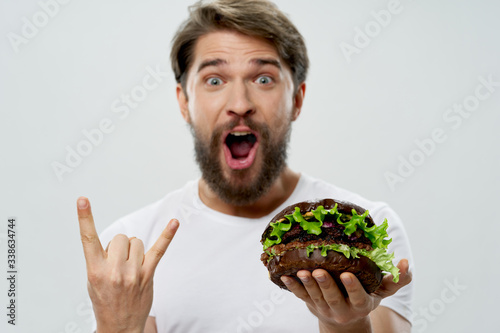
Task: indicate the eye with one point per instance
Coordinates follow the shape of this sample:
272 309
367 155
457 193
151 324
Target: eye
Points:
263 79
214 81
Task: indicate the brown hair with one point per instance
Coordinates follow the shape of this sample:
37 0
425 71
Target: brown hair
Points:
258 18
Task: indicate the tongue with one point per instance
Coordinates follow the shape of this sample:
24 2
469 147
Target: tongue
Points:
240 149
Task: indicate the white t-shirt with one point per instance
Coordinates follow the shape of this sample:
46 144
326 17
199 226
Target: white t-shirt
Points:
211 278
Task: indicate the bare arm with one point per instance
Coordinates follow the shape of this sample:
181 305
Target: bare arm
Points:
150 325
388 321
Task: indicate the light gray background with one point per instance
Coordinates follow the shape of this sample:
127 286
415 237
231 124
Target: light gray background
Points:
358 120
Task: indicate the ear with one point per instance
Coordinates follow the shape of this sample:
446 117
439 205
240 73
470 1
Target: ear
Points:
182 100
298 100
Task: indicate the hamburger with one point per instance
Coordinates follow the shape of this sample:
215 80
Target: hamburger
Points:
336 236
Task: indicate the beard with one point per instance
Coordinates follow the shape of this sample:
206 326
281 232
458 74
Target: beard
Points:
238 190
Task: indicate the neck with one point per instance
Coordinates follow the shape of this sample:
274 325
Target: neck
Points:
281 189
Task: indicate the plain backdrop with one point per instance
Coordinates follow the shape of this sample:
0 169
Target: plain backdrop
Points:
379 90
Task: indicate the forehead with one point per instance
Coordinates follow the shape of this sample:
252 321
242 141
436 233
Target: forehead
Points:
232 47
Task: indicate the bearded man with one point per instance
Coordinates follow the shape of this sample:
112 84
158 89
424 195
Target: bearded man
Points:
241 68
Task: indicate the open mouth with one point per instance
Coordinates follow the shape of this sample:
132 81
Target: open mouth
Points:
240 148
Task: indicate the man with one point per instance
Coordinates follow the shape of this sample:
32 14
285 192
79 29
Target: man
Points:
241 69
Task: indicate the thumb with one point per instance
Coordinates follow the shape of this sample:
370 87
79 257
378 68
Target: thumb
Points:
389 287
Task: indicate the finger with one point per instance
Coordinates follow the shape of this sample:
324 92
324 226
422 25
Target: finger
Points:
389 287
92 247
312 288
118 249
136 254
297 289
331 292
358 298
156 252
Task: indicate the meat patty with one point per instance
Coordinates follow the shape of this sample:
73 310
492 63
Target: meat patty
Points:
299 244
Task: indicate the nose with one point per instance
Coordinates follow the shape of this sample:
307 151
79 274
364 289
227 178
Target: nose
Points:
240 100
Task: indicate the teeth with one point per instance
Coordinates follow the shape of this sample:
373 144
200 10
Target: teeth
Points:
240 133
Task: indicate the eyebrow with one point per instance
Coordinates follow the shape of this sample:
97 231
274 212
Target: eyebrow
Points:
257 61
267 61
213 62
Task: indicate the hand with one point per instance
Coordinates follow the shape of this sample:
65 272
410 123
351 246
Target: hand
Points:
120 278
335 312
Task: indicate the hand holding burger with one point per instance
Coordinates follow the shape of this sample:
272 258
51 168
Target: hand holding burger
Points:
338 254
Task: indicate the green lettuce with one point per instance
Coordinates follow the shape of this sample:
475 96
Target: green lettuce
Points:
379 256
320 213
376 234
279 229
312 227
